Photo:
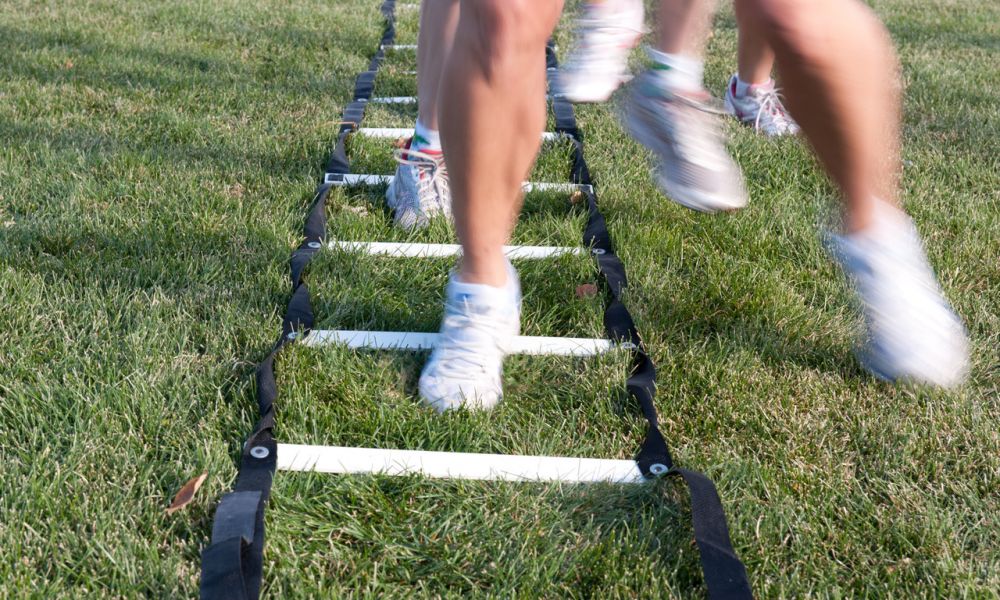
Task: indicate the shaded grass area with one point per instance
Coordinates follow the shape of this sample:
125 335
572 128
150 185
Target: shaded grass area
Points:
157 162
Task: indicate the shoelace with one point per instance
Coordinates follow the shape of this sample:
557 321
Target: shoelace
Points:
425 164
771 104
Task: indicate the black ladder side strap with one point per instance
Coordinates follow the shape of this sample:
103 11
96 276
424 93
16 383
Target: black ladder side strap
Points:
232 563
724 573
364 86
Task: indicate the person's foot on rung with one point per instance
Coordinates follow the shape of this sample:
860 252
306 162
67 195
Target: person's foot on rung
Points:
760 107
466 366
598 63
694 169
419 191
912 333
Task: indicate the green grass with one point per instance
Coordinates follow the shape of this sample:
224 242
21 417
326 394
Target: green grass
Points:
156 164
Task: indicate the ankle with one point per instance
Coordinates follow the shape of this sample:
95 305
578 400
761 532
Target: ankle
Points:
604 9
494 273
873 218
676 72
425 139
743 88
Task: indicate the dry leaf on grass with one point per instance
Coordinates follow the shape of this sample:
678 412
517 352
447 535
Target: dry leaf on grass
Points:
186 494
586 290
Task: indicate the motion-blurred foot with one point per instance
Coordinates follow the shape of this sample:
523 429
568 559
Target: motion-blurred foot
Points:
598 63
912 332
694 168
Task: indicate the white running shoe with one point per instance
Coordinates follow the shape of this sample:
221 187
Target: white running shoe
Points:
761 108
912 332
466 366
683 131
598 63
419 191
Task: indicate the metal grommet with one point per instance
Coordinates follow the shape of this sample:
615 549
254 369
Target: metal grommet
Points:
598 251
315 245
656 469
259 452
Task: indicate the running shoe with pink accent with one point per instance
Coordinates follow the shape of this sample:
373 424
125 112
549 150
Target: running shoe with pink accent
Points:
419 191
760 108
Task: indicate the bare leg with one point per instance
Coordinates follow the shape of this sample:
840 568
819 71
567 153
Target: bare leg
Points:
492 111
754 58
419 190
839 72
684 26
491 135
438 21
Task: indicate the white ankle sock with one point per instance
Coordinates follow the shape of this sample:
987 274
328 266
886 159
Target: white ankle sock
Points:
425 139
676 72
613 9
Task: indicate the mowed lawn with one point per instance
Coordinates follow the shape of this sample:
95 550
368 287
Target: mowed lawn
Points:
156 163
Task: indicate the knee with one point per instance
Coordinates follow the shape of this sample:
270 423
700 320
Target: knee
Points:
508 25
504 11
503 31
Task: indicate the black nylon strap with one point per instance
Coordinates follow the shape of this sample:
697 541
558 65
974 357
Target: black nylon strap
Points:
232 563
364 85
235 517
724 573
222 573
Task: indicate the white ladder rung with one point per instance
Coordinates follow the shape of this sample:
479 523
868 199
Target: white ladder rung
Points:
412 340
354 179
393 100
402 132
456 465
414 250
413 99
414 47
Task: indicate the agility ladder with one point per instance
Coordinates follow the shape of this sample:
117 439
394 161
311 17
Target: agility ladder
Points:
232 562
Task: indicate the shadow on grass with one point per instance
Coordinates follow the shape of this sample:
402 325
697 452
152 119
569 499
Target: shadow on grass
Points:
463 538
129 67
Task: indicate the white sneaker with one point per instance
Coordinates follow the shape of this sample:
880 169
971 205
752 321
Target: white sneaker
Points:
466 366
760 108
912 332
694 168
419 191
598 63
